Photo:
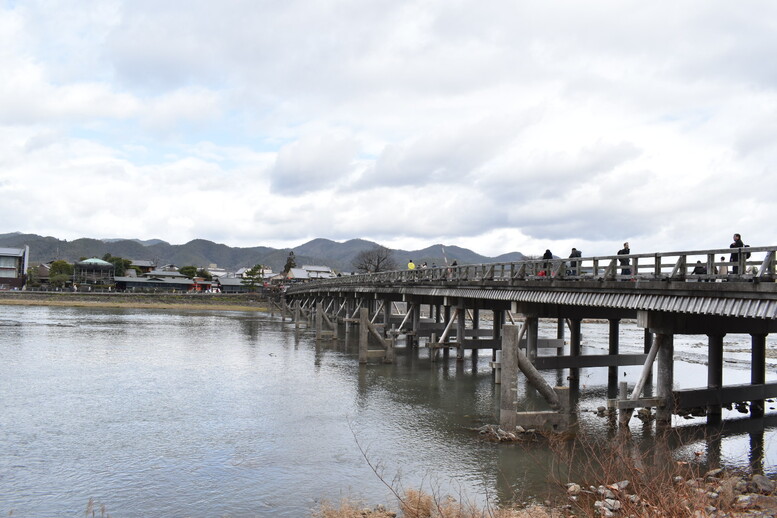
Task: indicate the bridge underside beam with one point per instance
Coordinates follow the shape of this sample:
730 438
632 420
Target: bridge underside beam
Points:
684 324
701 397
586 361
573 312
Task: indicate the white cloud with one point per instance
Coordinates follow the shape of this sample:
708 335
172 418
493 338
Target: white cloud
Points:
313 163
499 126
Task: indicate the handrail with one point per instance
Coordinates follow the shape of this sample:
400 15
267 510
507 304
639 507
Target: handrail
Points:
752 264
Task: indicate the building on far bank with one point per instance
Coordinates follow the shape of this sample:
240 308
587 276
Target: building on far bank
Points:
231 285
319 272
161 280
143 265
93 271
309 272
13 267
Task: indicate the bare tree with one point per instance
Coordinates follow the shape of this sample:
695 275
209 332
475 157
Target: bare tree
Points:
374 260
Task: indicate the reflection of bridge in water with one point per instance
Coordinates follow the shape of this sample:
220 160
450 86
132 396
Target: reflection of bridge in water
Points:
677 293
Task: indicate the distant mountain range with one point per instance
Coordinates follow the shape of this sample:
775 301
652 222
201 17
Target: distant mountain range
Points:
203 253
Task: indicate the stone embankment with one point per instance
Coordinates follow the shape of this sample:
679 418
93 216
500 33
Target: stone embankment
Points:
217 301
716 494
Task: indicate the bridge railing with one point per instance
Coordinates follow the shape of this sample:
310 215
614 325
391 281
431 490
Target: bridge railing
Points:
717 265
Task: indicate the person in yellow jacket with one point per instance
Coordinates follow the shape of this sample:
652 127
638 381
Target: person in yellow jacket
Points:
410 265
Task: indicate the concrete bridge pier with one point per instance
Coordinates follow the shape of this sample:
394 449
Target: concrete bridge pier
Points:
515 361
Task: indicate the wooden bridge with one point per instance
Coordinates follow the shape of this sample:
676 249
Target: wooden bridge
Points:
699 292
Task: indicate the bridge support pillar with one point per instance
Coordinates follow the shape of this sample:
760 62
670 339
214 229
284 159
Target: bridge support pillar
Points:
416 324
648 344
296 314
575 346
499 317
475 328
614 346
508 402
532 336
386 316
364 334
560 328
758 370
319 319
714 373
461 325
665 379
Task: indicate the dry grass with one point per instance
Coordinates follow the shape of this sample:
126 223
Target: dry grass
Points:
350 509
417 504
656 482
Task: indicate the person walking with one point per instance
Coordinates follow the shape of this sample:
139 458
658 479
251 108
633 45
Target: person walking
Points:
625 262
735 255
410 265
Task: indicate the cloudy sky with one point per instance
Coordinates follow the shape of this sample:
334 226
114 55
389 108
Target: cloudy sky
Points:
495 125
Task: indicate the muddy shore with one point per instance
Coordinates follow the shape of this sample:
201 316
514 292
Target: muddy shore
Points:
207 301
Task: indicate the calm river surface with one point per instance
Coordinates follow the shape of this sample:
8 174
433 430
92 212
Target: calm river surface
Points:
205 414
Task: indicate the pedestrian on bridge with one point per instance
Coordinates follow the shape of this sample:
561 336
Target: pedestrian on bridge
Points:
410 265
574 265
735 255
723 270
546 265
625 262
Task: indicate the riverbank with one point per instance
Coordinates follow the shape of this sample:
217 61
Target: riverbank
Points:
206 301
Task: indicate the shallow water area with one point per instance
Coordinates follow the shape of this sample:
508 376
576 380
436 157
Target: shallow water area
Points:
208 413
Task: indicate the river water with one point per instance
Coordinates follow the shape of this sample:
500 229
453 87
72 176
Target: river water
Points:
207 413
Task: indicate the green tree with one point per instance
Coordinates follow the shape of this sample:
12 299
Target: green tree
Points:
60 273
290 263
120 266
188 271
205 274
254 277
32 276
60 280
60 268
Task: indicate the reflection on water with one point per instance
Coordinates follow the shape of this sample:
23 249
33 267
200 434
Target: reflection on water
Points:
235 414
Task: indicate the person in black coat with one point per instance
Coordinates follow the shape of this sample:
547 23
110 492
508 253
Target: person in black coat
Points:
735 256
574 265
546 265
625 262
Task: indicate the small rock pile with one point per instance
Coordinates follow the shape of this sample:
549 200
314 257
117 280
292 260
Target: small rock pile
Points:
715 495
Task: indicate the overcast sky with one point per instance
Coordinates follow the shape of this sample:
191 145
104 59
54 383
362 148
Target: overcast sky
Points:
495 125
